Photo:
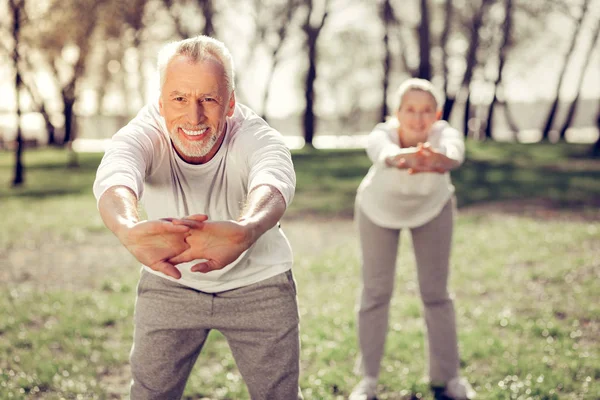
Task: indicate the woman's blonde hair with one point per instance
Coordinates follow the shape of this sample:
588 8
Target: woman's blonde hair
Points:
418 84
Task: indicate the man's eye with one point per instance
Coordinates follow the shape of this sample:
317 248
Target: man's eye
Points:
179 99
209 99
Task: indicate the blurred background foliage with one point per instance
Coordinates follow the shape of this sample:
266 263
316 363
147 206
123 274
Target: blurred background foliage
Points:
510 70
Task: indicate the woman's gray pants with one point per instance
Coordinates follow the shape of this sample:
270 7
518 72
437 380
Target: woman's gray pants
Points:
379 246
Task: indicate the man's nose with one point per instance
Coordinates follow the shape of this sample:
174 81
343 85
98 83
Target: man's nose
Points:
195 113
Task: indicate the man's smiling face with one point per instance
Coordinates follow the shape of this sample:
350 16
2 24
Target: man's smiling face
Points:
195 103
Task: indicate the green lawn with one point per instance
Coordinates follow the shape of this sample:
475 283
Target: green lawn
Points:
560 174
525 279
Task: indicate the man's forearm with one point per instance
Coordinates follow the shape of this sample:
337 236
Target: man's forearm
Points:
265 206
118 209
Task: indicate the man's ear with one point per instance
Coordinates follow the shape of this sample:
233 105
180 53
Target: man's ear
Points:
160 106
231 104
438 114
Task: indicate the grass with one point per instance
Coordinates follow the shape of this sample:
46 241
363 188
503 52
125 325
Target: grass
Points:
528 304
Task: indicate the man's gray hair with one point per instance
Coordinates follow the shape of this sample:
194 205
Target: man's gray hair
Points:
418 84
198 48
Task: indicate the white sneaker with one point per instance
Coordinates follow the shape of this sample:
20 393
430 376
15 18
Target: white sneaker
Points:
459 389
365 390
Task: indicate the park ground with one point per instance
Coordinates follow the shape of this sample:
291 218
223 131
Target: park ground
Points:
526 263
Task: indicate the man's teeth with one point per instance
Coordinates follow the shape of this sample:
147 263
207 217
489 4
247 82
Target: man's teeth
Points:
193 133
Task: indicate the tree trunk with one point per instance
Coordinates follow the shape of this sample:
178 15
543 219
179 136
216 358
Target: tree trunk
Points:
467 115
501 62
70 131
208 12
596 147
387 16
40 104
181 32
68 103
471 56
309 88
312 34
282 31
448 105
424 43
554 107
267 91
444 43
573 105
50 129
137 43
19 177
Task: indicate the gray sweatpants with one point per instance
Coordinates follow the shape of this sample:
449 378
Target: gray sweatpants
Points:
379 247
172 322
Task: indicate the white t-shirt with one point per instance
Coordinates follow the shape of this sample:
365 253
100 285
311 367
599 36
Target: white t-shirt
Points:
392 198
141 157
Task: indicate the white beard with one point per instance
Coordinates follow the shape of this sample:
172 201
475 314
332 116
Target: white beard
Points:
193 149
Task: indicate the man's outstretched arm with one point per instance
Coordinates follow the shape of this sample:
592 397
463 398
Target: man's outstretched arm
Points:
220 243
264 208
150 242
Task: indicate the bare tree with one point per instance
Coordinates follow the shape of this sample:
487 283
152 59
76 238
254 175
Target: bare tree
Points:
16 7
133 15
273 21
312 27
386 14
596 147
471 58
27 72
504 47
554 108
584 67
208 12
39 103
180 12
473 26
448 12
66 42
424 43
351 84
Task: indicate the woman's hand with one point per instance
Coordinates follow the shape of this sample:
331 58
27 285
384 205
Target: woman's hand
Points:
423 159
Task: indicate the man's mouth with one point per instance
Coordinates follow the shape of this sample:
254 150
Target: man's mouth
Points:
194 132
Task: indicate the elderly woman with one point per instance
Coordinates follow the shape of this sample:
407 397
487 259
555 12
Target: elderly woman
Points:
409 187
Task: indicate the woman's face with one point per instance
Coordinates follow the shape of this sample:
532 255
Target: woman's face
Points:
417 113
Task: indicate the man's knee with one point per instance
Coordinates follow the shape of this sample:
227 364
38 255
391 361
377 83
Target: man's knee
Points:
155 377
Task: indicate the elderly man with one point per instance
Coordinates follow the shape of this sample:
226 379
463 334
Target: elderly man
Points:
214 180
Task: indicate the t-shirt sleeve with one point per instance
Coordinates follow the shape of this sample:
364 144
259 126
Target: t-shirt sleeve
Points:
129 155
380 145
269 159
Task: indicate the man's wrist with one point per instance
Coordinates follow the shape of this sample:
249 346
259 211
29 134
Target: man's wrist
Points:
252 230
123 228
